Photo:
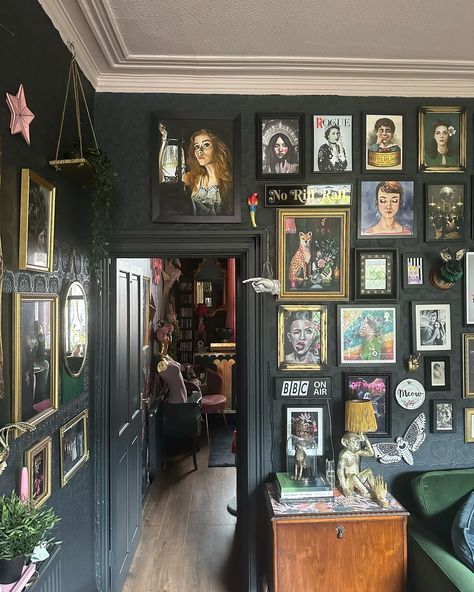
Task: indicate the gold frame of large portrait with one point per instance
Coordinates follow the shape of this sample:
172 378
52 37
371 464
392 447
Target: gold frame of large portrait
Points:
83 417
27 177
18 363
45 445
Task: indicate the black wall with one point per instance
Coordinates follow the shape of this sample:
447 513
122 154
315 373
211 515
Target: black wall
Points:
36 57
124 128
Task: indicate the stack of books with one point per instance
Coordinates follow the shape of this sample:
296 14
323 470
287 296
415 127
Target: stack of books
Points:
289 488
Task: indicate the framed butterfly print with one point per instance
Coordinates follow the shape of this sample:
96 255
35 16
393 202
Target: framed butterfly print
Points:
404 446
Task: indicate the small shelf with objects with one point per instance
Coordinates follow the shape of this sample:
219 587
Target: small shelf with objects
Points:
185 320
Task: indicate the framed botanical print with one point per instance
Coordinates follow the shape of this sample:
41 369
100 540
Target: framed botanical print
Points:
442 139
195 163
443 416
376 274
445 212
302 337
376 389
38 463
437 373
469 288
469 425
35 361
37 209
468 364
383 143
280 145
431 323
305 425
313 254
413 270
74 446
386 209
332 143
367 334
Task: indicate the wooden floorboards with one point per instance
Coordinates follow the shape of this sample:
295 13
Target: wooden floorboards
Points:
188 536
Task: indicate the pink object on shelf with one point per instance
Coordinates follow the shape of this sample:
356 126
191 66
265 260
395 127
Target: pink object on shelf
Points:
24 486
28 572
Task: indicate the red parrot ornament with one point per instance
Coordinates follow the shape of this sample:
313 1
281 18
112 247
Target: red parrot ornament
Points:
252 203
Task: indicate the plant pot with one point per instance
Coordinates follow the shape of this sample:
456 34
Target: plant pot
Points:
11 569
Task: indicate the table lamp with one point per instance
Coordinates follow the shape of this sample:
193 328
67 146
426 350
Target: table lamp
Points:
360 416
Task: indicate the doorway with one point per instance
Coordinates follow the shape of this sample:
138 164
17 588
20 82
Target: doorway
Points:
247 247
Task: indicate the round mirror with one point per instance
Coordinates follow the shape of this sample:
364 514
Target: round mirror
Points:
75 329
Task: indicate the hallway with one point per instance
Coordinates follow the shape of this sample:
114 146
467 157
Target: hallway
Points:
188 534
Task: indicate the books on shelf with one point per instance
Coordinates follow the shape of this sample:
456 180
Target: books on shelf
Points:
289 488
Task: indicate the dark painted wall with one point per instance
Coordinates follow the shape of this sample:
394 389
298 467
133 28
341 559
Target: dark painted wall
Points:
123 125
36 57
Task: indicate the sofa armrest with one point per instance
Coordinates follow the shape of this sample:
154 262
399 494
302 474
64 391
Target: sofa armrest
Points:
432 567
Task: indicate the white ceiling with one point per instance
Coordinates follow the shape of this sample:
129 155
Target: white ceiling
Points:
366 47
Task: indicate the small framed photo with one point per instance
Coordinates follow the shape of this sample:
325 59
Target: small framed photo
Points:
74 446
38 463
437 373
431 324
386 209
332 143
367 334
468 364
413 270
376 389
37 209
469 288
442 139
383 143
376 274
302 337
469 424
445 212
305 425
443 416
280 145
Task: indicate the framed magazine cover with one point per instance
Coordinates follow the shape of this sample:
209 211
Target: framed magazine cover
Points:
332 143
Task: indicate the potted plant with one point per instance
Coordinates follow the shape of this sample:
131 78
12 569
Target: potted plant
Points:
23 527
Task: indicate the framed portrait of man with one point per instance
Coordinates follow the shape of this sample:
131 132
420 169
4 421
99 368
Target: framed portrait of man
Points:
442 139
280 145
383 143
332 143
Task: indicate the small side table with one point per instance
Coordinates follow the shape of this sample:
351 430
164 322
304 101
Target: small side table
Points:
336 544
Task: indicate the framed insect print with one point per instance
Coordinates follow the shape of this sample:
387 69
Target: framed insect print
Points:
38 463
280 145
437 373
74 446
468 364
404 446
36 222
443 416
413 271
376 389
383 143
442 139
332 143
469 425
313 254
376 274
445 212
431 323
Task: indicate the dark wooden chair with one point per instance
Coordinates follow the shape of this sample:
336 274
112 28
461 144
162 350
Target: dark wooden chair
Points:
182 424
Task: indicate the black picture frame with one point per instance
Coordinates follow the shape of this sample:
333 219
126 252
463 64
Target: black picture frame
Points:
431 326
376 387
171 152
445 212
376 274
268 127
321 126
443 416
437 373
390 159
413 270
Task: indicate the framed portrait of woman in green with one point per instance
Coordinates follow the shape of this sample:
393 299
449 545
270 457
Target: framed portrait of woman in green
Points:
442 139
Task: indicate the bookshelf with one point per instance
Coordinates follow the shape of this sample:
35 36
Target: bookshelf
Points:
185 318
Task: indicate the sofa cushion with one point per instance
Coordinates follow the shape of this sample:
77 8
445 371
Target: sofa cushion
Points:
462 532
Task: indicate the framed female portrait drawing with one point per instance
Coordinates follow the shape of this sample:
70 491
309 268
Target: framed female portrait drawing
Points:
73 446
37 209
431 323
386 209
38 463
444 212
383 143
280 145
35 362
442 139
376 389
437 373
313 253
443 416
332 143
302 337
195 169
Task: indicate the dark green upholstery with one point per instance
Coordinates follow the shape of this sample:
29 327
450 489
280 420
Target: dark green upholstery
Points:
432 566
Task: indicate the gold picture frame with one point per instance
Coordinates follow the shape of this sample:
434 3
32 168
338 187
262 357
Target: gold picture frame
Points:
467 362
469 425
36 222
73 445
146 310
313 254
36 356
38 462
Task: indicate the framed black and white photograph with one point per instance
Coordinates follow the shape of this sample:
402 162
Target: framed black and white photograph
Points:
376 274
280 145
413 270
383 143
442 139
332 143
431 323
74 446
445 212
437 373
443 416
374 388
469 288
468 364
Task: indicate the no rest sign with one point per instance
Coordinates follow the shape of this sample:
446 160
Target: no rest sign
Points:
303 388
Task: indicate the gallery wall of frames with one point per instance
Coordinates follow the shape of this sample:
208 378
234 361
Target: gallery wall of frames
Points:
368 206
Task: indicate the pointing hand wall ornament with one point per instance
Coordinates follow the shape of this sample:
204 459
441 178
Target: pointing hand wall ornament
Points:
22 426
448 271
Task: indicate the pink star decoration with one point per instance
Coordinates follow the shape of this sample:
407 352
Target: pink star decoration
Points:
21 115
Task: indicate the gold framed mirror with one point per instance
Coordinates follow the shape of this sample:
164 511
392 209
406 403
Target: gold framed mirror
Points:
75 330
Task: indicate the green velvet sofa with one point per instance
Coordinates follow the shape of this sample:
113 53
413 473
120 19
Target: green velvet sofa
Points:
432 565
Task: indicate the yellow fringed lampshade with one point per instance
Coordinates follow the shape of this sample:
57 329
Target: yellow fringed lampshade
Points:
360 417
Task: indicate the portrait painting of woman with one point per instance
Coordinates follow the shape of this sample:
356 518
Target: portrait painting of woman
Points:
332 143
279 145
442 137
